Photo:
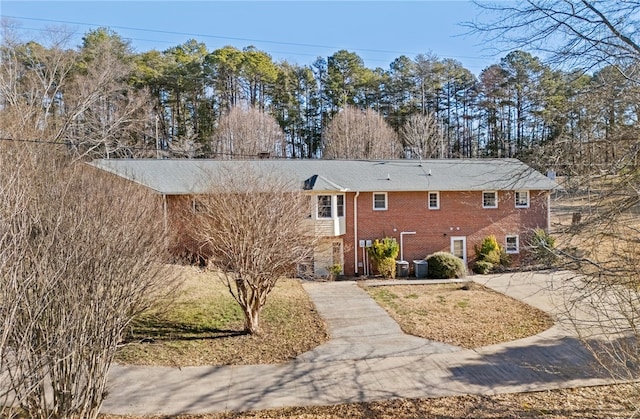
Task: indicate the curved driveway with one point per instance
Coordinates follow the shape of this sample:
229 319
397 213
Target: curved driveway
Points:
369 358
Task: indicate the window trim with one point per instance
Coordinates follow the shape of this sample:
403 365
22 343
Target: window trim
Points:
495 194
515 197
386 201
318 217
506 244
437 206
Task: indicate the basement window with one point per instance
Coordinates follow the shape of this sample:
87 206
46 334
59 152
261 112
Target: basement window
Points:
512 244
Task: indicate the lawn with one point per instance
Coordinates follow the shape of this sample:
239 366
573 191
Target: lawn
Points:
617 401
204 326
468 315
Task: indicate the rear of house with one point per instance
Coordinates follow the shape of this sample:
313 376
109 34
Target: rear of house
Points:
427 206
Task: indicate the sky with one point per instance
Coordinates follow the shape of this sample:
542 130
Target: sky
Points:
296 31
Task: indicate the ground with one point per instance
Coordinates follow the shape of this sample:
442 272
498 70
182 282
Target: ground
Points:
590 402
204 326
468 315
449 311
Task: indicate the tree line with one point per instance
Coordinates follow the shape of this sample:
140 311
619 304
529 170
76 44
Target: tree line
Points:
104 100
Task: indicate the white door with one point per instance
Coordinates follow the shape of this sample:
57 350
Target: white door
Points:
459 247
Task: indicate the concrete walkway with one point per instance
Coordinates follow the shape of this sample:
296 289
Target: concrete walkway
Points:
368 359
360 328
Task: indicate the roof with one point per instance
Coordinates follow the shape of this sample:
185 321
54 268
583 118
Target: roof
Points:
178 177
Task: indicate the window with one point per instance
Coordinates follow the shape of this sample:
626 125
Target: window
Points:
434 200
340 205
324 206
512 244
197 206
380 201
522 199
490 199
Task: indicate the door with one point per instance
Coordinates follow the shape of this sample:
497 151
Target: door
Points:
459 247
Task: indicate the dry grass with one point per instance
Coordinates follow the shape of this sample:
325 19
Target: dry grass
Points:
618 401
204 326
452 314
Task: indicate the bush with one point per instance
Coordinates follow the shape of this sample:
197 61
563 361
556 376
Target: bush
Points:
384 253
542 245
443 265
482 267
492 254
334 271
387 267
489 250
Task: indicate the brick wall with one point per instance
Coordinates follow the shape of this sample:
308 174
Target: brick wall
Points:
460 214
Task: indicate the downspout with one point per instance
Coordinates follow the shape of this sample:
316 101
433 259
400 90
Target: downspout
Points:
164 212
355 232
402 234
548 211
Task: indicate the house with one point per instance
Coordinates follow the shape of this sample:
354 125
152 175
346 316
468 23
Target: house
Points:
428 205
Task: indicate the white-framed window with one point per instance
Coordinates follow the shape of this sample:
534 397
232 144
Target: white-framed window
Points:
522 199
340 205
197 206
512 244
489 199
434 200
324 206
379 201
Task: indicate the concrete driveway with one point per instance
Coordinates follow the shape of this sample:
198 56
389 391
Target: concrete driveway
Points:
369 358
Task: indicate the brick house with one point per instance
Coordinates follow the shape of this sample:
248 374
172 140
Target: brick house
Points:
428 205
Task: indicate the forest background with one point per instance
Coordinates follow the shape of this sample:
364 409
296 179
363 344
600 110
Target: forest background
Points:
103 99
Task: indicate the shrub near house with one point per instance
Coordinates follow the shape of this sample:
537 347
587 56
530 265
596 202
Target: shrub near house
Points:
384 253
491 256
444 265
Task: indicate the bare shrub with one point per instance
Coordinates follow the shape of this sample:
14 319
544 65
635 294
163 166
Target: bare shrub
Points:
81 254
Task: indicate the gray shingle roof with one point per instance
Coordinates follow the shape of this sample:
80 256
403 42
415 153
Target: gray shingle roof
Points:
177 177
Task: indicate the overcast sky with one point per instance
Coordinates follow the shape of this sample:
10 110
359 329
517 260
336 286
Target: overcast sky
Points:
296 31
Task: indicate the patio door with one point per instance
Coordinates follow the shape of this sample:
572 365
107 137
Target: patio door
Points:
459 247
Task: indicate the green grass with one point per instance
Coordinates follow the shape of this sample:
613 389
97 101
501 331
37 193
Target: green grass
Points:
205 326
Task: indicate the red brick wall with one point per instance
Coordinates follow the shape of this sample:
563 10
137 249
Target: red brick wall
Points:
460 214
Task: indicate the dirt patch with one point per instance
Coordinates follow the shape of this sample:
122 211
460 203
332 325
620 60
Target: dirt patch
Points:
617 401
469 316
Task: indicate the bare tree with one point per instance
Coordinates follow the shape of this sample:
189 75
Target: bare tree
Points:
355 134
253 223
244 133
584 33
81 254
601 242
422 137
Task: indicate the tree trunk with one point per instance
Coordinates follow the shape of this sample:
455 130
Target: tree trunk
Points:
252 319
